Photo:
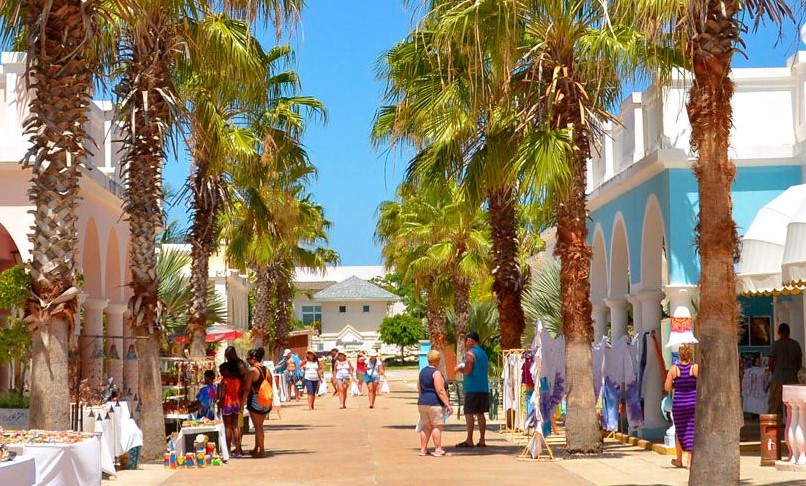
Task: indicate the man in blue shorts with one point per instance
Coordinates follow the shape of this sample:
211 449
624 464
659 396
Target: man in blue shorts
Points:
475 367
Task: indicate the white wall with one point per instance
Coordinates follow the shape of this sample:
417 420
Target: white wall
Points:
333 321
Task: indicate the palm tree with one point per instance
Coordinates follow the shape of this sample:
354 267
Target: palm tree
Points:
708 33
452 100
175 292
216 105
60 41
543 300
155 38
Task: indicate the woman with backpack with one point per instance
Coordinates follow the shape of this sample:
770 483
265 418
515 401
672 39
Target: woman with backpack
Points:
260 396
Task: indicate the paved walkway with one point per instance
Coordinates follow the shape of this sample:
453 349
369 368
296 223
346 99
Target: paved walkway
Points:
379 446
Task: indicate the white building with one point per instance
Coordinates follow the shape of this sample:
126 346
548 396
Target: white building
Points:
348 308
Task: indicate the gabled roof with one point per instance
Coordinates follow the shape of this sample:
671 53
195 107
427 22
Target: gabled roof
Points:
354 289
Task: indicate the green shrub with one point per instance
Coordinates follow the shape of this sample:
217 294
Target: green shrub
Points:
13 400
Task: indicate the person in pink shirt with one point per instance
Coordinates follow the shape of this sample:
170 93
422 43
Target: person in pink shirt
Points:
360 370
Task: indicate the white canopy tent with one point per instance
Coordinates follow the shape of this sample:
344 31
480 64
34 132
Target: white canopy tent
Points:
775 243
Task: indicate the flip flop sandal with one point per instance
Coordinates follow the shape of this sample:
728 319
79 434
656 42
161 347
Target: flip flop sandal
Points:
481 444
439 454
677 464
464 444
423 453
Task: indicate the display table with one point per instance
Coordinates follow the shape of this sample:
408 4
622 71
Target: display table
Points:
19 472
192 432
66 464
118 431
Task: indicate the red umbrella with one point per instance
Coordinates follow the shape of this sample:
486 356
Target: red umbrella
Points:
215 333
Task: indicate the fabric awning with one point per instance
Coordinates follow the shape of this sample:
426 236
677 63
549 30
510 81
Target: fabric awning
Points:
214 334
764 246
793 267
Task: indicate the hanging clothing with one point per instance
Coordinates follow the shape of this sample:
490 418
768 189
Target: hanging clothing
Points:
611 397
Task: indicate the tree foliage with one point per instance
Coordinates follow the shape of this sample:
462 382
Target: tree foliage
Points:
402 330
15 339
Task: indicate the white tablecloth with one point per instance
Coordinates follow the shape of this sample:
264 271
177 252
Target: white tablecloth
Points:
67 464
119 432
19 472
179 445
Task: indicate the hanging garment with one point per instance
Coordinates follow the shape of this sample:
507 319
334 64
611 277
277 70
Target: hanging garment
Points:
635 409
611 397
598 357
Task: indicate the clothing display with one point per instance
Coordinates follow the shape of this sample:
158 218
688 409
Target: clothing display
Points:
597 357
512 395
755 390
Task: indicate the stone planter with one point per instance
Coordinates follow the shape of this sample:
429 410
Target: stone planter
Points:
14 418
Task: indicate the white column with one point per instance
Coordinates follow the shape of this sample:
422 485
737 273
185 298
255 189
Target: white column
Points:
635 302
599 315
618 317
114 345
654 373
92 345
131 364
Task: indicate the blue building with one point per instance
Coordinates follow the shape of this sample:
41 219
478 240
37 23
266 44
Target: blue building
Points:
643 204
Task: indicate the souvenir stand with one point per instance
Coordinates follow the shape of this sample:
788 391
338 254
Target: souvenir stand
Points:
181 379
514 394
212 432
537 447
60 457
18 471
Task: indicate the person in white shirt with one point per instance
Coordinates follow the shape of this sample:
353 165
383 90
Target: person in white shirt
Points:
312 376
374 372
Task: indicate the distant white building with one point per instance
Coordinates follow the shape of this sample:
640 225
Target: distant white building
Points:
347 306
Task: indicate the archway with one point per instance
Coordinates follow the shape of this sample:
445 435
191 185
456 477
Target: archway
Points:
91 261
619 278
598 281
9 256
113 283
653 243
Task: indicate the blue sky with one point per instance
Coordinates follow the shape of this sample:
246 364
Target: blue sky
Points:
337 47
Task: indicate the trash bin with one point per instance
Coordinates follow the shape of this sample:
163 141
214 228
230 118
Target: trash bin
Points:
771 431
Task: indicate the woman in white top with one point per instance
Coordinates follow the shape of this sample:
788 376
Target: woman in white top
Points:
344 370
311 376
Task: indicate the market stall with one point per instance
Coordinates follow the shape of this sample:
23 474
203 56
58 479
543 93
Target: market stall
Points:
19 471
116 429
181 380
213 429
60 458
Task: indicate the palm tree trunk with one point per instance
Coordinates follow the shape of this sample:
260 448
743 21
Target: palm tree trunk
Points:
719 415
435 317
62 75
461 310
507 280
262 310
282 313
204 233
582 427
146 115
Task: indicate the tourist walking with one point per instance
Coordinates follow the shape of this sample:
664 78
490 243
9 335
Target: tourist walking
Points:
374 371
784 363
682 378
312 376
475 367
433 404
230 406
288 366
254 379
334 357
344 370
360 370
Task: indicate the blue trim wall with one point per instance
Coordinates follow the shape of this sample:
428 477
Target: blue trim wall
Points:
676 191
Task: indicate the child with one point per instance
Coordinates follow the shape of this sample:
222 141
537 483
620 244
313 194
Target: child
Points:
230 406
207 396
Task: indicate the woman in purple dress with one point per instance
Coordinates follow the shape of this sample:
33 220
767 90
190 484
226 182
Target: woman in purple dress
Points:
682 378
